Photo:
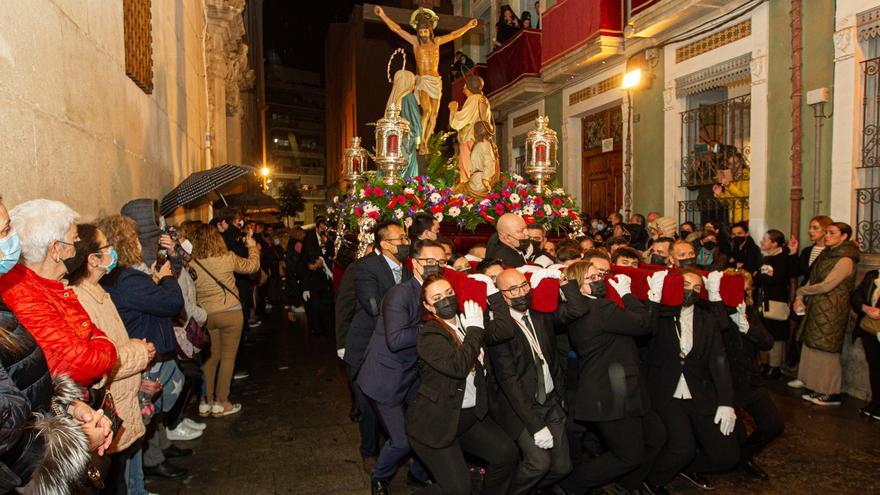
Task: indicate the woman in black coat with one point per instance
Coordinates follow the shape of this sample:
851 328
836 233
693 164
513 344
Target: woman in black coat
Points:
611 393
865 301
449 414
772 280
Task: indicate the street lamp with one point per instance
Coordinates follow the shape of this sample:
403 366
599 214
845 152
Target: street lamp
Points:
265 173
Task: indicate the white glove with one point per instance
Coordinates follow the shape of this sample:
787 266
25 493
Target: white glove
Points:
767 270
655 285
878 337
622 284
544 273
472 316
528 269
544 439
490 285
713 285
341 353
306 295
725 417
740 318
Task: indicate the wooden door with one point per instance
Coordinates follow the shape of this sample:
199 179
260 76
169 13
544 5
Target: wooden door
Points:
602 171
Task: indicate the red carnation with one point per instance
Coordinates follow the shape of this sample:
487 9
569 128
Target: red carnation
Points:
368 191
499 209
358 212
557 202
401 200
378 191
538 200
539 213
529 219
511 184
374 215
436 209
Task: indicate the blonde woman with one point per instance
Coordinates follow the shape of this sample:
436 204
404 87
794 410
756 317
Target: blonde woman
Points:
215 268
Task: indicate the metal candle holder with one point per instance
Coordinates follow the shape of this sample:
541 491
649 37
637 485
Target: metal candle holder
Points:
354 161
392 132
541 147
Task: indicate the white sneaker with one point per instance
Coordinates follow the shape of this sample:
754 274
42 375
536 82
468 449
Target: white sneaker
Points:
796 384
183 433
204 409
193 425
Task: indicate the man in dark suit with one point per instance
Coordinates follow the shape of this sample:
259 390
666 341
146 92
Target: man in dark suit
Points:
371 276
691 389
389 376
511 244
317 278
424 226
531 377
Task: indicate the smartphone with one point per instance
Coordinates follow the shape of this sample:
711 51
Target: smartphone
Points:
161 258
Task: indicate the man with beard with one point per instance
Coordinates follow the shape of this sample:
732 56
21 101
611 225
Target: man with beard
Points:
429 85
511 242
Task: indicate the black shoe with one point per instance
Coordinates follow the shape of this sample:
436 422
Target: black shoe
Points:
175 452
755 470
413 482
698 480
165 471
773 373
655 490
379 487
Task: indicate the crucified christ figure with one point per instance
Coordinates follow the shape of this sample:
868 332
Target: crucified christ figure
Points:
426 47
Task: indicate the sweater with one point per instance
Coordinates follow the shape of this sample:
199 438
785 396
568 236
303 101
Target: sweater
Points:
210 295
124 378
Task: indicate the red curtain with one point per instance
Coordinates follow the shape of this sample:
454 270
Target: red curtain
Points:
520 56
569 24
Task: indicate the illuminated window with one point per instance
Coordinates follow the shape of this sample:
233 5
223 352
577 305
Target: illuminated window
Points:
137 27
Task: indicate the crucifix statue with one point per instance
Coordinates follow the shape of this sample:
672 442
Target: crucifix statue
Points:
426 47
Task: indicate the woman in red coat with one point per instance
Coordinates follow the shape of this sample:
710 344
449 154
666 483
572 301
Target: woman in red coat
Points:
33 290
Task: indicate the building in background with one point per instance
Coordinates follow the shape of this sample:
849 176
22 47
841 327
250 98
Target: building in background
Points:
295 136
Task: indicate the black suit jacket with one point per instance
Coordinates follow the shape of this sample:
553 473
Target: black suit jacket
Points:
432 416
516 370
346 304
610 384
705 368
749 255
372 279
509 256
315 281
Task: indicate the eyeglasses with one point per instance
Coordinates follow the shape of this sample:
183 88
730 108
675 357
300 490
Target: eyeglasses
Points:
402 238
518 290
71 244
593 278
431 262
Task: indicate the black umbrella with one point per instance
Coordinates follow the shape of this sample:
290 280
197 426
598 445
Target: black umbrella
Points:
250 202
199 184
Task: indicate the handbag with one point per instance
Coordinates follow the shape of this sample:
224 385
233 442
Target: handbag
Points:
774 310
870 325
92 481
191 339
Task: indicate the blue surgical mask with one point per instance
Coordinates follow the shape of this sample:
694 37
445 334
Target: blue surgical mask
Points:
11 247
114 260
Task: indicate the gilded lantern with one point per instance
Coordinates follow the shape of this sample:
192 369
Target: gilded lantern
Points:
392 133
354 161
541 147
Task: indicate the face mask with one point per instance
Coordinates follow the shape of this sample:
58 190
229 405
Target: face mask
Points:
658 259
536 246
276 242
595 224
402 252
114 260
687 262
685 233
522 245
690 298
740 240
521 303
597 288
428 270
11 247
600 226
709 245
446 308
187 246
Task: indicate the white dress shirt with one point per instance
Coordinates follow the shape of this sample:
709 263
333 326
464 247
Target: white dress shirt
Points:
686 343
535 345
470 388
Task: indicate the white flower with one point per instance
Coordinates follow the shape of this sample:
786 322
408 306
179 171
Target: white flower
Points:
469 206
547 209
518 212
563 211
438 216
408 222
454 211
514 198
559 191
516 177
485 202
408 190
370 207
399 213
529 210
435 197
335 199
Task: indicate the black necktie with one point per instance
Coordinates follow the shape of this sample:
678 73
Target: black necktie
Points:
541 394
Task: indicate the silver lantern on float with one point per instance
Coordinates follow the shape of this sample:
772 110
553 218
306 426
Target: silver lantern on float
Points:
354 161
541 147
392 131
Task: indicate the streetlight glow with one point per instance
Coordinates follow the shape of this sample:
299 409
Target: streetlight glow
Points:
631 79
265 171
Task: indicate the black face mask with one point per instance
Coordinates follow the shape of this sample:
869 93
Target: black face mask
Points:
598 288
521 303
740 240
685 233
658 259
690 298
709 245
428 270
687 262
447 307
522 245
402 252
536 246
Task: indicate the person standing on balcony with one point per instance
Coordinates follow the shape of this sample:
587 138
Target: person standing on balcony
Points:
429 86
507 27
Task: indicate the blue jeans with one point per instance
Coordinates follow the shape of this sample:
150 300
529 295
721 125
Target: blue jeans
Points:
397 447
134 474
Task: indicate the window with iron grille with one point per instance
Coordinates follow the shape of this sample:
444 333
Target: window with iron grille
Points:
138 32
715 148
868 198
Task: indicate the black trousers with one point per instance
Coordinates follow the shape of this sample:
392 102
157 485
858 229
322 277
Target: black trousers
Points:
539 467
114 480
369 420
872 355
632 447
694 443
480 438
320 314
768 423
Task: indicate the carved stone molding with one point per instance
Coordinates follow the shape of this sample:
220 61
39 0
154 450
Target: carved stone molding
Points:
758 70
869 24
226 52
721 74
844 47
668 97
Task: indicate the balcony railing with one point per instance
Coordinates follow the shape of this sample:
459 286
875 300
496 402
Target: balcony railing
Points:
871 113
868 219
728 210
518 58
571 24
716 137
480 70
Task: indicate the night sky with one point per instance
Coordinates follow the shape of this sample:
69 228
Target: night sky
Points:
295 30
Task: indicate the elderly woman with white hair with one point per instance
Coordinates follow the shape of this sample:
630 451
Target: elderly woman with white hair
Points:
33 290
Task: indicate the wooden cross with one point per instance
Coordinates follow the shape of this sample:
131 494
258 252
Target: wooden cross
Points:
447 23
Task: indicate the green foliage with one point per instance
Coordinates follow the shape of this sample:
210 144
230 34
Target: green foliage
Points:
441 167
290 199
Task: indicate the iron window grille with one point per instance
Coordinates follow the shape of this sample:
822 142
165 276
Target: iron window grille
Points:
868 198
